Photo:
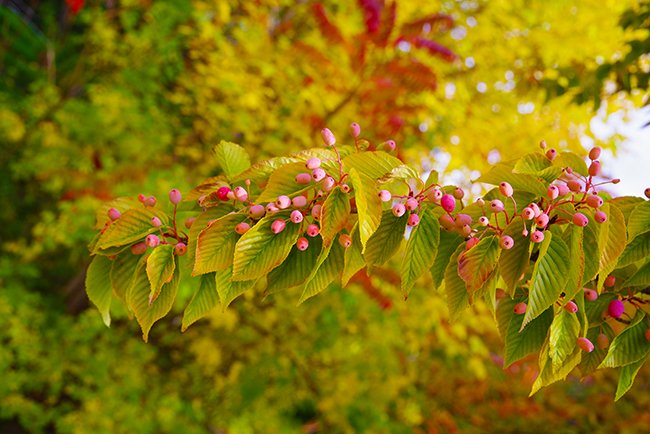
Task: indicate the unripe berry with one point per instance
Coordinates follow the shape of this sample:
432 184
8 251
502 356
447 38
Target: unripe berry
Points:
313 163
256 212
574 185
114 214
594 201
283 202
139 248
506 242
389 145
602 341
150 201
447 222
594 168
302 244
303 178
563 189
459 193
242 228
355 129
496 205
385 195
585 344
465 230
471 243
328 137
222 193
616 180
141 197
278 226
590 294
552 192
155 222
411 203
537 236
345 240
610 281
240 194
448 203
180 249
152 240
435 195
413 220
399 210
345 188
542 220
299 202
594 153
524 233
315 212
542 144
318 174
462 219
505 189
296 216
615 308
271 208
551 154
520 308
174 196
329 183
189 221
579 219
528 213
483 220
313 230
571 307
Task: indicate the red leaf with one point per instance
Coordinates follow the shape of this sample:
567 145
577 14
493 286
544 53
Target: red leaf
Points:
436 49
75 6
372 14
439 22
330 31
387 24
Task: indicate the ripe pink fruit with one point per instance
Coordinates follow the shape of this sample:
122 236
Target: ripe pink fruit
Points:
114 214
528 213
399 209
590 294
150 201
585 345
313 163
535 209
302 244
552 192
594 153
315 211
345 240
299 202
506 242
313 230
435 195
296 216
462 219
447 222
271 208
520 308
318 174
152 240
139 248
610 281
155 222
542 144
574 185
602 341
174 196
563 189
524 233
471 243
180 249
506 189
328 137
278 226
329 183
579 219
459 193
242 228
496 205
542 220
448 203
594 201
303 178
537 236
483 220
411 203
345 188
141 197
571 307
189 221
600 217
389 145
283 202
240 194
222 193
615 308
355 129
594 168
413 220
385 195
551 154
256 212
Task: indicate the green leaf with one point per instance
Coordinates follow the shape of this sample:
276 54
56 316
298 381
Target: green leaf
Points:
563 334
547 374
590 361
386 240
636 249
531 164
137 299
368 205
259 250
352 259
123 272
200 223
420 250
519 181
630 345
328 268
372 164
283 182
404 173
626 204
335 214
639 220
449 241
627 376
229 289
549 273
573 236
258 173
98 286
457 296
514 262
641 277
160 268
476 265
216 244
590 244
296 268
132 226
572 160
232 158
202 302
611 241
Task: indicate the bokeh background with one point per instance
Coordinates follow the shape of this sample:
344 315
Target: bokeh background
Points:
107 98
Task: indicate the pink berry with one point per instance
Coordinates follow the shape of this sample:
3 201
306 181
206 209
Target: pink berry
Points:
459 193
594 153
139 248
222 193
435 195
411 203
462 219
283 202
590 294
505 189
447 222
413 220
303 178
571 307
524 233
563 189
385 195
345 240
506 242
271 208
542 144
600 217
602 341
345 188
520 308
150 201
152 240
242 228
296 216
471 243
574 185
610 281
483 220
189 222
174 196
579 219
299 202
535 209
315 212
594 168
355 129
448 203
399 210
616 308
329 183
240 194
278 226
313 230
389 145
180 249
318 174
585 345
594 201
551 154
313 163
114 214
542 220
537 236
552 192
256 212
155 222
141 197
496 205
328 137
480 202
528 213
302 244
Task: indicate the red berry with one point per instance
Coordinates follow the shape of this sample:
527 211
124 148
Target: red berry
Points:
590 294
174 196
222 193
189 221
505 189
448 203
600 217
155 222
355 129
242 228
594 201
141 197
585 345
256 212
180 249
303 178
389 145
296 216
313 163
399 209
150 201
139 248
302 244
594 153
496 205
114 214
571 307
471 243
506 242
413 220
551 154
537 236
345 240
616 308
313 230
610 281
647 192
594 168
459 193
647 335
278 226
579 219
520 308
328 137
384 195
574 185
152 240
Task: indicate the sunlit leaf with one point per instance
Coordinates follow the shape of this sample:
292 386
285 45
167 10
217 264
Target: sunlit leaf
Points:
98 286
368 205
630 345
386 240
563 334
328 268
514 262
216 244
421 250
335 214
132 226
457 296
296 268
232 158
160 268
203 301
476 265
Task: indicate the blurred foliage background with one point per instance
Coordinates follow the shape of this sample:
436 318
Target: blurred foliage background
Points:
100 99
